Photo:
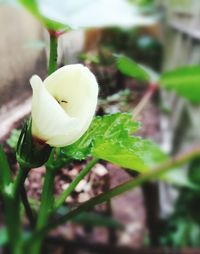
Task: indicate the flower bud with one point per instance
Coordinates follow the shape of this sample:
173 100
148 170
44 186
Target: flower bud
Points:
31 153
63 105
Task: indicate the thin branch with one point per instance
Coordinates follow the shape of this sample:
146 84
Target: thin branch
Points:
74 183
27 207
145 100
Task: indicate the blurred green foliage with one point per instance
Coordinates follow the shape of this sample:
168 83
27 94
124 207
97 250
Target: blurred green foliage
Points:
130 68
136 44
182 228
185 81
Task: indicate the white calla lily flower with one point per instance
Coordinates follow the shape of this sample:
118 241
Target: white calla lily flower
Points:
63 105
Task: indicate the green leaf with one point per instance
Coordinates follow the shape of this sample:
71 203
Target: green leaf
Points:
116 126
58 15
132 153
185 81
110 138
128 67
140 155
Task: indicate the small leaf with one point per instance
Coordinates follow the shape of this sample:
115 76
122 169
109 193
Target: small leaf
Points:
111 138
128 67
185 81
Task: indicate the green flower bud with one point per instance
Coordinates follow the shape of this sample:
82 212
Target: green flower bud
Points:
31 152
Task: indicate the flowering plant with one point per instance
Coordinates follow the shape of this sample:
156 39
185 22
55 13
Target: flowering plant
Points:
62 128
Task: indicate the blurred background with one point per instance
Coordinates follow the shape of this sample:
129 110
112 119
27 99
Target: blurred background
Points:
161 35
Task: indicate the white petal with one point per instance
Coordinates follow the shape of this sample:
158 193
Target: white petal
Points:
64 140
48 117
78 88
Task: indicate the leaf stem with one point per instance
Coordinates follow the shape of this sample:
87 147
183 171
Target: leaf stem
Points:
60 200
152 174
52 53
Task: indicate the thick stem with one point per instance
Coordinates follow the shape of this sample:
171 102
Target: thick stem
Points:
47 199
53 53
145 100
74 183
152 174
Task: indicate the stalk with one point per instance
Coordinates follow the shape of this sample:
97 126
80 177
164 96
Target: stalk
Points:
47 199
53 52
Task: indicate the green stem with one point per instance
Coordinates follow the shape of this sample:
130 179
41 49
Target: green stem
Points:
5 172
152 174
13 223
74 183
47 198
47 201
19 181
53 53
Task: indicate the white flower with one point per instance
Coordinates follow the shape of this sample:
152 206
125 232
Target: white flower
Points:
63 105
